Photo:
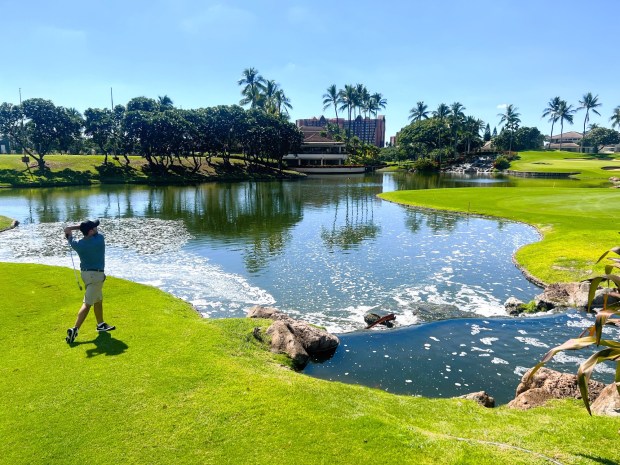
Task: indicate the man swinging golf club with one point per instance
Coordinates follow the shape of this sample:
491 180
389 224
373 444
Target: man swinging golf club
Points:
91 250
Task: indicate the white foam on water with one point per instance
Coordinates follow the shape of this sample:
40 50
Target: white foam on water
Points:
532 341
488 340
137 254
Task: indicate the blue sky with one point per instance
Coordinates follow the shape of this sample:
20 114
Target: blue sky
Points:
482 53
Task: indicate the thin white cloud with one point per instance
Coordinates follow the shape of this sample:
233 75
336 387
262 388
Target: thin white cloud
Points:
502 106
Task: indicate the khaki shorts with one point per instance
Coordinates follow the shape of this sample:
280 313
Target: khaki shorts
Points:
93 280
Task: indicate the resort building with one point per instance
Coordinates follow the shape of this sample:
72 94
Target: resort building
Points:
320 154
569 141
369 130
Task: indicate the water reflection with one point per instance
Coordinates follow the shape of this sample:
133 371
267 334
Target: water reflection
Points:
325 249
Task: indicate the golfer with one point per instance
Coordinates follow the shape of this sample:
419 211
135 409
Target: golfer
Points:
91 250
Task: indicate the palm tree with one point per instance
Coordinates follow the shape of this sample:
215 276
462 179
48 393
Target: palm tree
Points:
472 127
269 93
254 83
441 114
615 118
511 120
376 103
282 102
588 102
348 98
456 119
165 103
552 112
565 113
331 98
419 112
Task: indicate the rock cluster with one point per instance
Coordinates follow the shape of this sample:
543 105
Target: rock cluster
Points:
481 397
298 339
549 384
561 295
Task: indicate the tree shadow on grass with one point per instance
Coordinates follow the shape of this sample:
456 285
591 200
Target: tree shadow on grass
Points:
600 460
105 344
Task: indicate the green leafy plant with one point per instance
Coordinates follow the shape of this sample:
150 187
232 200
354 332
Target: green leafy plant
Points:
501 163
594 334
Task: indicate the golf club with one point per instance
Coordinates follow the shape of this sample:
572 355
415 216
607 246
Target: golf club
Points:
75 272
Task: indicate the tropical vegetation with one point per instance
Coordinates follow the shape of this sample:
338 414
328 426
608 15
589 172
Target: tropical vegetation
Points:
168 138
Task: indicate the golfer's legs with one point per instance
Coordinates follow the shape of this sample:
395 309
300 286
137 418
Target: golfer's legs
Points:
98 307
82 314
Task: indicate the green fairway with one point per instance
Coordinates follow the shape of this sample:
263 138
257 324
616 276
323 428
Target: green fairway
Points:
169 387
577 225
590 166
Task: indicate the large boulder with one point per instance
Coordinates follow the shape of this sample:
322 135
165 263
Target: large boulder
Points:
550 384
608 402
481 397
573 295
283 341
298 339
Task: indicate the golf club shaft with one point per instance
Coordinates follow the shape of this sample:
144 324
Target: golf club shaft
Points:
74 271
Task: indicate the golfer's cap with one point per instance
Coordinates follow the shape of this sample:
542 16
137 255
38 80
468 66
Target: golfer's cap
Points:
88 225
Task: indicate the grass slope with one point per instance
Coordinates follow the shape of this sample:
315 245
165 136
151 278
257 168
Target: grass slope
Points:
170 387
5 222
89 169
578 225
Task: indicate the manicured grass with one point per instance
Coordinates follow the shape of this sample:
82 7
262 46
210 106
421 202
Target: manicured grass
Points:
590 166
170 387
577 225
89 169
5 222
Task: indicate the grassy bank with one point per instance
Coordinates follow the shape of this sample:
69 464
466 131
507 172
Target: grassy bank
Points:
5 222
170 387
90 169
577 225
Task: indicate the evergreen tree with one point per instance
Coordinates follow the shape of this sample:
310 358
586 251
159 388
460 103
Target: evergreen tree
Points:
494 132
487 133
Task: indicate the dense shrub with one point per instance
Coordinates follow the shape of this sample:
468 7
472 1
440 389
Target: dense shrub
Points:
424 165
501 163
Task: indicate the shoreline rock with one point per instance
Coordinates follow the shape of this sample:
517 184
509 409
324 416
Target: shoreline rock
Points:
297 338
549 384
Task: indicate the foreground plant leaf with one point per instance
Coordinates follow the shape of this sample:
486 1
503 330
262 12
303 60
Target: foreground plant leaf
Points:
585 371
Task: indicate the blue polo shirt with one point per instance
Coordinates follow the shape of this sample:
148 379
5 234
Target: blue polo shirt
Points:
91 251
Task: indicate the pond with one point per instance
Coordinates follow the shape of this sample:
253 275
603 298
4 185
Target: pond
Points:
324 249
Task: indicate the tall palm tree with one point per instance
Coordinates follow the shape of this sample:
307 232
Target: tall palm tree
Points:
615 118
552 112
441 114
376 103
472 127
419 112
588 102
282 102
511 121
253 84
456 118
565 113
331 98
271 87
348 98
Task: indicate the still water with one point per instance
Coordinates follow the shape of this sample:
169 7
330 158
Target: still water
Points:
324 249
